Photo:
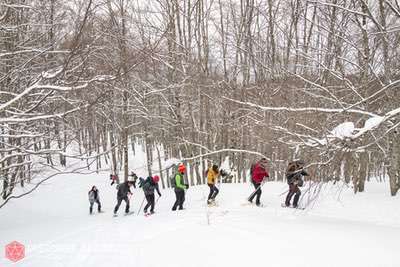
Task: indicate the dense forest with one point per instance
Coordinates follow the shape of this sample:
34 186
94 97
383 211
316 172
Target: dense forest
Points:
201 80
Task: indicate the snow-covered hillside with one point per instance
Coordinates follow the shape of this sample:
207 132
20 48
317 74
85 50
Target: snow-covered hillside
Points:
340 229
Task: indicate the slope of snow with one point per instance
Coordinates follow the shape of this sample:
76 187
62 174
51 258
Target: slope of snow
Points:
339 229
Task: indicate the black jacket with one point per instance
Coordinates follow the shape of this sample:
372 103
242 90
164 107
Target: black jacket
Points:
123 190
296 176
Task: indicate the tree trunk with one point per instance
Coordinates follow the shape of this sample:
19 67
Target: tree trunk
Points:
394 165
160 167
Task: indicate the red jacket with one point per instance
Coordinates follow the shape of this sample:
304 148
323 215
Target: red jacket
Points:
259 173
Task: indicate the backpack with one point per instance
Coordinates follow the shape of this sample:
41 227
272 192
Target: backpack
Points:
147 186
172 180
91 196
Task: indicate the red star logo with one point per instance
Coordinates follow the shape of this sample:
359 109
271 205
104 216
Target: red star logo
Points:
15 251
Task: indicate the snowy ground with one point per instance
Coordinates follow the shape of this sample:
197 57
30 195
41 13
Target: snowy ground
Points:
341 229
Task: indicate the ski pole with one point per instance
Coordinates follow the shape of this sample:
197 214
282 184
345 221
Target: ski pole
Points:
255 191
140 208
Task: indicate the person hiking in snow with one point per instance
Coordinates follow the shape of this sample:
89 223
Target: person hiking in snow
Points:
123 192
294 175
259 174
179 188
149 185
113 178
134 179
94 196
212 175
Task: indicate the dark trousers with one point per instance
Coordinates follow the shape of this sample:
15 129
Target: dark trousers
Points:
150 202
257 187
98 206
293 190
119 204
180 198
213 191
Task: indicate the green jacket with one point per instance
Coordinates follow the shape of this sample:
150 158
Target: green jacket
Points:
179 181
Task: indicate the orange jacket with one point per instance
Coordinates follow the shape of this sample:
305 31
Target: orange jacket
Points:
211 176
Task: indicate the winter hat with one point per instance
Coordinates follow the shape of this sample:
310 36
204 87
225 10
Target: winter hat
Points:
215 168
156 178
182 168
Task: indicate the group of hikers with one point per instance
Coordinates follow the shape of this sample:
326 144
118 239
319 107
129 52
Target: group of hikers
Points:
258 172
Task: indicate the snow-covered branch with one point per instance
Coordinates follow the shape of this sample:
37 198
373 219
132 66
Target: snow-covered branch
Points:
305 109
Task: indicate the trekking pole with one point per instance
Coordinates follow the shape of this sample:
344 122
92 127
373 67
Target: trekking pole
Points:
141 205
255 191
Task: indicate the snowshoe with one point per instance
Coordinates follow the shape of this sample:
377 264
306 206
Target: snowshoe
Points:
283 205
212 203
250 203
247 203
147 214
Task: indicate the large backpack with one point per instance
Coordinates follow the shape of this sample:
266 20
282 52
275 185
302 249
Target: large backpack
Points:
172 180
148 188
91 196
